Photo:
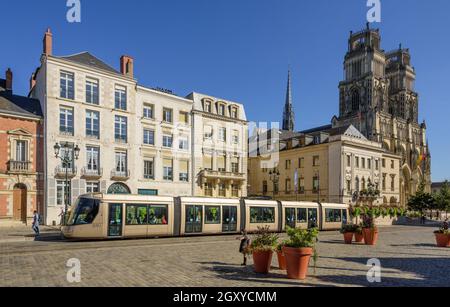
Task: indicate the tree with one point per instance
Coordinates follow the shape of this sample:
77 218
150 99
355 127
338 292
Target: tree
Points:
422 201
442 199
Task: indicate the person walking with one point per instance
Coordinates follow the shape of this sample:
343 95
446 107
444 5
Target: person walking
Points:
35 225
245 244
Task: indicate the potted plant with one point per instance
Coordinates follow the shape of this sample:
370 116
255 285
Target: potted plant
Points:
370 230
262 248
443 236
280 255
298 251
348 230
359 236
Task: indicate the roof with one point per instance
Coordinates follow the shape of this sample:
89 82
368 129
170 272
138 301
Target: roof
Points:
19 105
325 128
87 59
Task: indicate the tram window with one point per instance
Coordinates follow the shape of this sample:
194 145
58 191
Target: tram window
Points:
260 215
301 215
333 215
212 215
344 216
85 212
157 215
136 215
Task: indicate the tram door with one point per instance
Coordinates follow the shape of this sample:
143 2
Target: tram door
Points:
115 220
229 218
290 217
194 219
312 218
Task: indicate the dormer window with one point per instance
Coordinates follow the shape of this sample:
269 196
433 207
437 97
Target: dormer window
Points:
234 112
207 106
221 109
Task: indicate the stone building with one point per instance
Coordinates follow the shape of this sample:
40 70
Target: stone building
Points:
21 152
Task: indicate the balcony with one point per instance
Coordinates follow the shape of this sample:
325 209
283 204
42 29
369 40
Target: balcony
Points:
87 173
62 172
120 175
209 174
19 167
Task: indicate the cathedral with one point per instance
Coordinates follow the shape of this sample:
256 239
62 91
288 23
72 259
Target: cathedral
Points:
378 97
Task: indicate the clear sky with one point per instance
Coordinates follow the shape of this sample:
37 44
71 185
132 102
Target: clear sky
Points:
241 50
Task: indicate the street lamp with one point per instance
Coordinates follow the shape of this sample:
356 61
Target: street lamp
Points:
66 159
274 176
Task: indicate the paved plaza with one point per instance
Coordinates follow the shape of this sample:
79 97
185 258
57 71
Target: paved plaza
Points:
408 257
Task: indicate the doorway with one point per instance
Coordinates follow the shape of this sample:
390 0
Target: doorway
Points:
229 219
20 203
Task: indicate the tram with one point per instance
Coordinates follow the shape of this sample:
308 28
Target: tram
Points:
104 216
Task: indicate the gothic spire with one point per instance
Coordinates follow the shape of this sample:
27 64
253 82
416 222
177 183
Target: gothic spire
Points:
288 115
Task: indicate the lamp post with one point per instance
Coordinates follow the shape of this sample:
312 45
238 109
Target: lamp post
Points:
66 159
274 176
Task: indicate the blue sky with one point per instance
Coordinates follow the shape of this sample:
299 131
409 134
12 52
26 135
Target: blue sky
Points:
241 49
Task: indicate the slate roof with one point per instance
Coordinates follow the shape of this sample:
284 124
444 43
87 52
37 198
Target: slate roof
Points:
87 59
19 105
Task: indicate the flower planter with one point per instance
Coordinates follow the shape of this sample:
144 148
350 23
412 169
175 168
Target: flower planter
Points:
281 261
348 237
442 240
370 236
359 237
297 262
262 261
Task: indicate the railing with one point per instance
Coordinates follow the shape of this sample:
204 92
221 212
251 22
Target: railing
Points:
61 171
19 166
91 173
120 175
222 175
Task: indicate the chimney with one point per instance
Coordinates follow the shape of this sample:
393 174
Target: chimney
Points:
126 66
32 81
48 42
9 80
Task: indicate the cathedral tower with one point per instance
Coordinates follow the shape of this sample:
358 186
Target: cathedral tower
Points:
288 114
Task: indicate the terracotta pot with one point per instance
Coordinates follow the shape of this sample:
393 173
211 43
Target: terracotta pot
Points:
359 237
262 261
442 240
348 237
370 236
281 261
297 262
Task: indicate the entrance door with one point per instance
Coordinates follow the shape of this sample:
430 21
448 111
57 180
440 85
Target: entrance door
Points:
290 217
115 220
312 218
194 219
229 219
20 203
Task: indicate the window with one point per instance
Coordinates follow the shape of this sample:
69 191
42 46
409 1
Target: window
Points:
288 164
265 187
120 98
383 183
301 163
377 165
349 161
223 134
136 215
92 93
183 143
157 215
93 158
234 112
207 162
121 162
357 184
66 121
234 190
208 189
222 190
363 184
392 164
333 215
167 141
149 137
167 115
235 165
316 184
21 151
316 160
62 189
349 186
363 162
148 111
120 129
235 137
168 169
149 168
301 215
93 124
301 185
383 163
259 215
69 153
221 163
92 187
184 118
392 183
355 101
85 213
357 162
288 186
221 109
208 132
276 188
207 106
369 163
184 171
212 215
67 85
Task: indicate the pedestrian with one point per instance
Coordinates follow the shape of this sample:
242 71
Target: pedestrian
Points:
245 244
62 217
35 225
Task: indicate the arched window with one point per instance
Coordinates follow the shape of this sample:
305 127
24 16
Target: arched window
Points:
363 184
357 184
355 100
119 188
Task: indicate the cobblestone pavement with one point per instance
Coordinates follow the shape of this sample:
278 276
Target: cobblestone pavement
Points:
408 256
